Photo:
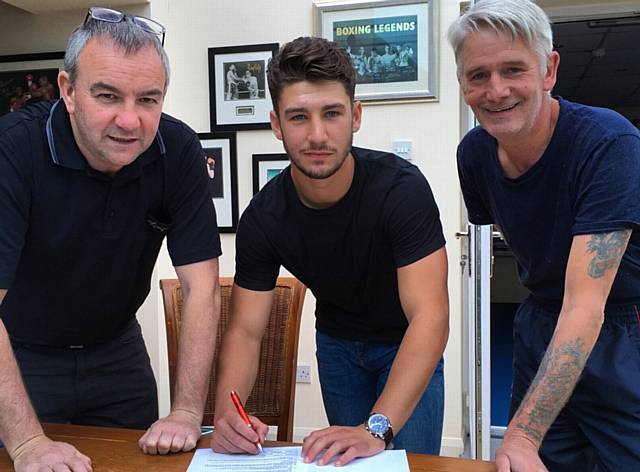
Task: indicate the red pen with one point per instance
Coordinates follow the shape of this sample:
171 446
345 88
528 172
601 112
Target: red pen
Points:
243 414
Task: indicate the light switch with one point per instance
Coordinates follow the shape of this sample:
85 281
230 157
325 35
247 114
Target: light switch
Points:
402 148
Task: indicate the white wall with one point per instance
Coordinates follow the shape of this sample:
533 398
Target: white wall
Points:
22 32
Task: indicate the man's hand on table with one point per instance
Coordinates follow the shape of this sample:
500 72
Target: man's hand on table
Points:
518 455
177 432
233 436
342 442
42 454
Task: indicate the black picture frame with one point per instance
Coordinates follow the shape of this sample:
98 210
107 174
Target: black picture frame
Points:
27 78
241 101
222 150
263 165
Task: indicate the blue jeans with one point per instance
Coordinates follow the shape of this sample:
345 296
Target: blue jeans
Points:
599 427
352 377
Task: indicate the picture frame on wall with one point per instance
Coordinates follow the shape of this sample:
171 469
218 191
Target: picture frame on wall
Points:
28 78
266 167
392 45
239 97
220 155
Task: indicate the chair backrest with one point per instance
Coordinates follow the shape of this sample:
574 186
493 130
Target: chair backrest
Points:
273 395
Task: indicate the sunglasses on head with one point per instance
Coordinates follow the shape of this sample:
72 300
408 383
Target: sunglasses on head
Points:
115 16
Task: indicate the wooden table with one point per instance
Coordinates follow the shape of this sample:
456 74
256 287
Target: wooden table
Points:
116 450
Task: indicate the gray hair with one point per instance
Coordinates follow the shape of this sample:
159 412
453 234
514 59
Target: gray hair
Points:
125 34
520 18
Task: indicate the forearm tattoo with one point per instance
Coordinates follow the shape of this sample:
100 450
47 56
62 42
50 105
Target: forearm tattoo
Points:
564 362
557 376
608 249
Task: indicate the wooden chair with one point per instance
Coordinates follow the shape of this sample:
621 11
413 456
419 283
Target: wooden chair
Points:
273 395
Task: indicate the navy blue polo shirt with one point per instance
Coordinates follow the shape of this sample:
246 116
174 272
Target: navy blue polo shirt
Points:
77 247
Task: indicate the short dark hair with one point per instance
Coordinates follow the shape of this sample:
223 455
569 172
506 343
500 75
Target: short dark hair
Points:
312 59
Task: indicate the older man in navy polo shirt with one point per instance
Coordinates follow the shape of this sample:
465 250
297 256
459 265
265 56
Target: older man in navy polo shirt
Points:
91 185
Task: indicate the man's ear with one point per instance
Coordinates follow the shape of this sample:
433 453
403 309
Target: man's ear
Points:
275 124
67 90
357 116
551 74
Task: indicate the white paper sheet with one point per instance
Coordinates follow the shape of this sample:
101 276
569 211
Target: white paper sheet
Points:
287 459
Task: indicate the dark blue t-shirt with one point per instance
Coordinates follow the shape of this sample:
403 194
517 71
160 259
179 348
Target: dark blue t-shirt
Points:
586 182
348 254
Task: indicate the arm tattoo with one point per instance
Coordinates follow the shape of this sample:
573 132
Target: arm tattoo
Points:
608 249
564 362
552 386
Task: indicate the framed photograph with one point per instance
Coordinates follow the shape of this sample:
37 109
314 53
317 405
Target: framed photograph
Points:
28 78
392 45
239 97
266 167
221 161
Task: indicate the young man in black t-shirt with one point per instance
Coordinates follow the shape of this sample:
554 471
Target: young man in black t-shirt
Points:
361 229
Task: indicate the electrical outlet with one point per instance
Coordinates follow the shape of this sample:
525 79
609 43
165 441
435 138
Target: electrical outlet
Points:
402 148
303 373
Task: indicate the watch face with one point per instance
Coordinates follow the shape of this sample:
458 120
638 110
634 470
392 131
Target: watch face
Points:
378 423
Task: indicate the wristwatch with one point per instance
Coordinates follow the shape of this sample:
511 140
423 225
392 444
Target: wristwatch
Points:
380 427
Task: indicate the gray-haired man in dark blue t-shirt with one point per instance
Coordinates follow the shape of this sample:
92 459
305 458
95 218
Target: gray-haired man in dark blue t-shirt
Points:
560 181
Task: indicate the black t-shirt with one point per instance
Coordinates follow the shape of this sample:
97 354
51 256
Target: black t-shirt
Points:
77 247
347 254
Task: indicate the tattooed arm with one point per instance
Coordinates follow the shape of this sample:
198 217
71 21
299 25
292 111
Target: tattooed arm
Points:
591 269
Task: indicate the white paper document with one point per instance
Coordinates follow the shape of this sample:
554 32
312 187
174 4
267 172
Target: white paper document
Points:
288 459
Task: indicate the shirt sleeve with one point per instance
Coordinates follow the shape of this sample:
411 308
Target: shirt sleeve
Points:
257 267
193 234
607 192
413 221
476 209
15 202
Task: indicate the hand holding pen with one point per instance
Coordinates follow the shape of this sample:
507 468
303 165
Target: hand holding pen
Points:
243 414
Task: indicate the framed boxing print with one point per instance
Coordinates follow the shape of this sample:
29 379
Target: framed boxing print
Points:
221 162
266 167
392 45
28 78
239 97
